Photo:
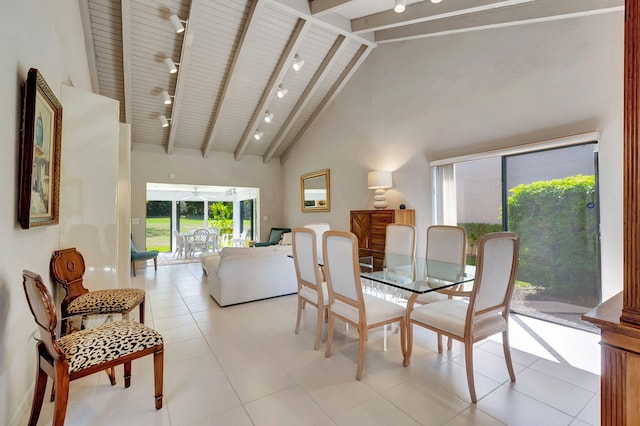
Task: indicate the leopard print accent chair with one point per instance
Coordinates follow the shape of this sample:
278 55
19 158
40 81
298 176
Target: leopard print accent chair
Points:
67 269
84 352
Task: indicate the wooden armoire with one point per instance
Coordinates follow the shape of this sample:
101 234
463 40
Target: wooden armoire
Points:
370 225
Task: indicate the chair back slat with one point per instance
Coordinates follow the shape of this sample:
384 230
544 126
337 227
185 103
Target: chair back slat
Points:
496 271
42 307
67 269
342 267
305 258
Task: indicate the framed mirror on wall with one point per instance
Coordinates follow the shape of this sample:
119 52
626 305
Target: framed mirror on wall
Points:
315 194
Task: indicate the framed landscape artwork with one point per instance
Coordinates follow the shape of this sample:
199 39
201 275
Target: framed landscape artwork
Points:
39 177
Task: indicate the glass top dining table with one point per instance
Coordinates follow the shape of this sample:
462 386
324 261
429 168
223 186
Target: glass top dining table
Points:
416 275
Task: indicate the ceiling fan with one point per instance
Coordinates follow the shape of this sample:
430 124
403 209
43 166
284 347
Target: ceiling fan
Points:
197 196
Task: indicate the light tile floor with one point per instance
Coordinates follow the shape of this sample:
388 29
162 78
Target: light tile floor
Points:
243 365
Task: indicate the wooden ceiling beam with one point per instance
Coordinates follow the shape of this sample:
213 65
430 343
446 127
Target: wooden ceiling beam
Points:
320 7
183 69
269 92
321 73
344 78
247 33
423 12
89 45
537 11
125 6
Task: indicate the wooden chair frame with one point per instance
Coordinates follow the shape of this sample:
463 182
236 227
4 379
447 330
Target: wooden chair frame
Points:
67 269
470 336
316 285
52 361
361 325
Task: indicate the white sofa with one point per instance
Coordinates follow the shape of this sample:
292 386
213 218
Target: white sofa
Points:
244 274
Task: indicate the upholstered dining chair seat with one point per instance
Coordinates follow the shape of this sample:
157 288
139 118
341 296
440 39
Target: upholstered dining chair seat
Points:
377 310
450 315
312 295
116 301
106 342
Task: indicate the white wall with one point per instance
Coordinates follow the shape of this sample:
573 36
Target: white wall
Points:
221 170
421 100
42 34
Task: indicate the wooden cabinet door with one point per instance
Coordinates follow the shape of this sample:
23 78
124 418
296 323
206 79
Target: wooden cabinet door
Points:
361 227
379 222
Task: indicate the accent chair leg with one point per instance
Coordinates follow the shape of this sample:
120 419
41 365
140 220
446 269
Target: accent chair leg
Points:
141 309
62 395
38 394
133 267
158 372
127 374
155 263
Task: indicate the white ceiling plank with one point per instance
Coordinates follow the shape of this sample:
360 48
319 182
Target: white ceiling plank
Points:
88 42
276 77
247 33
183 69
425 11
126 57
337 48
345 76
320 7
537 11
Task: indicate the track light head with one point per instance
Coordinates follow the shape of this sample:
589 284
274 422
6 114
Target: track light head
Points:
268 116
400 6
258 135
172 66
166 98
177 23
282 91
298 62
436 1
164 121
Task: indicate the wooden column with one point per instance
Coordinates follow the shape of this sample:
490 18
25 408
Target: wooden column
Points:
631 302
619 317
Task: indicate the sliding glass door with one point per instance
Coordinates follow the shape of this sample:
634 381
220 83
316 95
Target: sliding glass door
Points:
549 198
551 203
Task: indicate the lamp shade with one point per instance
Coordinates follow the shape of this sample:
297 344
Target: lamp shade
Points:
380 179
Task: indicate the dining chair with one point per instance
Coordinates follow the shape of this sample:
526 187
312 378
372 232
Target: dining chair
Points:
347 302
67 269
312 288
445 243
487 311
84 352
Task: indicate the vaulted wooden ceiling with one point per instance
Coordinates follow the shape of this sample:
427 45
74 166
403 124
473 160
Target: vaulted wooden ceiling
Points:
234 54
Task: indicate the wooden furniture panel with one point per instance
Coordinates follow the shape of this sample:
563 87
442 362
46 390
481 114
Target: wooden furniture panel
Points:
370 227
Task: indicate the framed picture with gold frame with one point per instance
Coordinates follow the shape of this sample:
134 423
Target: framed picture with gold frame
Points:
39 175
315 191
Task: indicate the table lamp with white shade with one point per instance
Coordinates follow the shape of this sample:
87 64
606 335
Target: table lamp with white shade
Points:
379 180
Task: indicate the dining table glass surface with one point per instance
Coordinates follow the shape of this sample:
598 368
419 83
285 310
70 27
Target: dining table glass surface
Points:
430 275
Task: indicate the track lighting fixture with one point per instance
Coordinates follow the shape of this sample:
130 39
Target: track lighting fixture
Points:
400 6
258 135
298 62
177 23
172 66
268 116
282 91
166 97
436 1
165 121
